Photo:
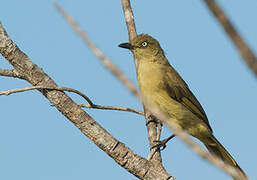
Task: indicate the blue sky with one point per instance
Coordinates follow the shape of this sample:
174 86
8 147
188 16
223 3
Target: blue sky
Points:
37 142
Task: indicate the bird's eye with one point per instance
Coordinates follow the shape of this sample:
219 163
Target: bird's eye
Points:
144 44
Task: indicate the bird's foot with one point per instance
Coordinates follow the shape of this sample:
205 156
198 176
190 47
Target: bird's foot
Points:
162 144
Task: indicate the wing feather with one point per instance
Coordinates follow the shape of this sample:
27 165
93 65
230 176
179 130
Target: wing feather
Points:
179 91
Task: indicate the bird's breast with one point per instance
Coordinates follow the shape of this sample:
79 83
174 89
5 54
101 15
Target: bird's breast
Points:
150 78
151 83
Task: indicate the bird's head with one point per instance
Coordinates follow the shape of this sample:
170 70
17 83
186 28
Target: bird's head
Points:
144 46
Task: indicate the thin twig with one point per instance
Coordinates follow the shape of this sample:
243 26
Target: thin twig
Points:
246 53
89 105
159 127
106 61
10 73
156 148
129 18
112 108
154 155
8 92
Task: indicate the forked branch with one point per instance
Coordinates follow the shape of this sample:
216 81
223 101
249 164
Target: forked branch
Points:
125 157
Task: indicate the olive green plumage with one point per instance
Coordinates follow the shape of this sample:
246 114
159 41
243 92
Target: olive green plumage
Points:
164 89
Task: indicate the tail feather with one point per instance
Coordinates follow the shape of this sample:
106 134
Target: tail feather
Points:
215 147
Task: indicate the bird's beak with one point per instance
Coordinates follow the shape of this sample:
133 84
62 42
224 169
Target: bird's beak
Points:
127 46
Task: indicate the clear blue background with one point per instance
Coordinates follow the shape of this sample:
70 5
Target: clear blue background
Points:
37 142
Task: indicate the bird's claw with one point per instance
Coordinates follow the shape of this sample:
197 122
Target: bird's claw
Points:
160 144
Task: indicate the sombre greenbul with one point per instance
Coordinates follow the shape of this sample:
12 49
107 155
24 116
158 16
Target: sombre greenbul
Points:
165 90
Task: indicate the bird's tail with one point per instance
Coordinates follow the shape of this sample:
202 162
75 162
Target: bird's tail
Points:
215 147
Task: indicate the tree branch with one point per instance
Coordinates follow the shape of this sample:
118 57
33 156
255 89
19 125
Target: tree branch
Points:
98 53
95 106
246 53
125 157
155 155
89 105
10 73
8 92
129 18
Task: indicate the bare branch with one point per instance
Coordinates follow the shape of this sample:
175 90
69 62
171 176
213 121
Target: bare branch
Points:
129 17
246 53
7 72
8 92
10 73
106 61
112 108
155 148
125 157
89 105
155 155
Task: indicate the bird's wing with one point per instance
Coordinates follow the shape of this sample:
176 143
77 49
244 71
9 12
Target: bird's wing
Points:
179 91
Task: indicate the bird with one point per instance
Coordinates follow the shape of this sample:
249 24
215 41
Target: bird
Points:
165 90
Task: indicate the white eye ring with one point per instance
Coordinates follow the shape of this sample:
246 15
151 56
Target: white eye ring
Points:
144 44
